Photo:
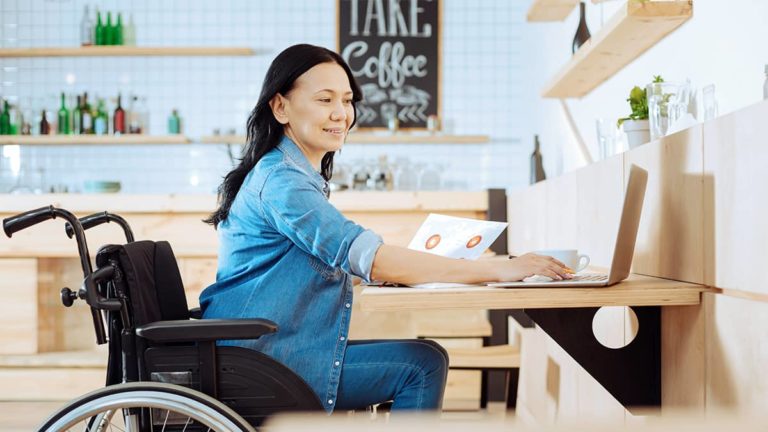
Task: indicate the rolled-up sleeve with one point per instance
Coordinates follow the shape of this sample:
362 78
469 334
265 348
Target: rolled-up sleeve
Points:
362 252
295 208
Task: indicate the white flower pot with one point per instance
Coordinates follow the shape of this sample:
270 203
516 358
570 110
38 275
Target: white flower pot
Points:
638 132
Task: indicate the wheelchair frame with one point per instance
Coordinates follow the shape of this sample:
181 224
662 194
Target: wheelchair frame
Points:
127 386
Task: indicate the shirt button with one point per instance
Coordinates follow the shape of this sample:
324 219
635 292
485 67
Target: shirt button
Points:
348 305
336 363
330 401
342 338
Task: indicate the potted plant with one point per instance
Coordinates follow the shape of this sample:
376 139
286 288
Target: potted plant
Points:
636 124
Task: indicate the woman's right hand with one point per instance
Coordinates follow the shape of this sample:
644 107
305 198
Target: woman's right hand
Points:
530 264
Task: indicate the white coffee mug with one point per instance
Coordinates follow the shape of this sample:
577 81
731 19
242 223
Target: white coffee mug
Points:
569 257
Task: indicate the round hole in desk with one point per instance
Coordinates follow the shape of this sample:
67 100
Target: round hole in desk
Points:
615 326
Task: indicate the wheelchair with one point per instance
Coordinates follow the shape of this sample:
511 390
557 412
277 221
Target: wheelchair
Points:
164 369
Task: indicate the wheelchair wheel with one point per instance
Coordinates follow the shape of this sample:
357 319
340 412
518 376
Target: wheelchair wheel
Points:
145 406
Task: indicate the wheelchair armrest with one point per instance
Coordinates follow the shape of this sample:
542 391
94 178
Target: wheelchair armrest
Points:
196 313
206 330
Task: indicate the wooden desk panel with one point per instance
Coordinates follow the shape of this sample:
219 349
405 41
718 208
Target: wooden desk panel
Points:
636 291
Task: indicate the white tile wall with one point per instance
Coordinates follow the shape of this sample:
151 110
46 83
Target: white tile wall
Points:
481 86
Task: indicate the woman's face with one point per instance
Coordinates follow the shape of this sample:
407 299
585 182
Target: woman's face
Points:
317 112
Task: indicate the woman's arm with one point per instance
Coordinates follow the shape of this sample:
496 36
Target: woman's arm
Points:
401 265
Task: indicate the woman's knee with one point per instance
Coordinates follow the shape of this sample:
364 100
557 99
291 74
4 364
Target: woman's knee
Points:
434 353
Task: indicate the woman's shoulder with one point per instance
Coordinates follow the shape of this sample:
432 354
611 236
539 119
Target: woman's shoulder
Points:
274 168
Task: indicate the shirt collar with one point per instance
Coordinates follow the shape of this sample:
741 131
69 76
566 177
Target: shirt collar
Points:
290 149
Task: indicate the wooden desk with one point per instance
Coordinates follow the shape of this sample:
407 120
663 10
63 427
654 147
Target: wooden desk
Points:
631 373
638 290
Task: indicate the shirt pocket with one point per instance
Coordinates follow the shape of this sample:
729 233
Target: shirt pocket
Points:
327 272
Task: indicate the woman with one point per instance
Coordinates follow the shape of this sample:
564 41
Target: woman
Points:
286 254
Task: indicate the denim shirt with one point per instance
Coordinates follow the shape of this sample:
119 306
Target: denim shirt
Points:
286 254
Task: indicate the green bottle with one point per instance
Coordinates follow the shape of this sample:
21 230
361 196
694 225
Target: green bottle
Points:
101 121
77 117
174 123
109 31
118 37
5 120
63 125
98 33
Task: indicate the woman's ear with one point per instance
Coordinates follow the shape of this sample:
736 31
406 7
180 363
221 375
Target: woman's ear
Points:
277 104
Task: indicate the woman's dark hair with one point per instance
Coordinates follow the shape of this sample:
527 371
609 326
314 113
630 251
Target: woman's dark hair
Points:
264 132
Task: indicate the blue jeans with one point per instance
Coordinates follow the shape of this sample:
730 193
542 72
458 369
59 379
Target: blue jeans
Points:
411 373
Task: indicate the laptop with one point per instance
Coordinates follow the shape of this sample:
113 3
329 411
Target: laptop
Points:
623 251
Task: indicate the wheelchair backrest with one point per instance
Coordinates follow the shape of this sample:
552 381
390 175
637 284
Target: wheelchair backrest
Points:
151 277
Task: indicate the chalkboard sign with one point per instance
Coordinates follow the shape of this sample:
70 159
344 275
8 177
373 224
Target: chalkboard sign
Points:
393 49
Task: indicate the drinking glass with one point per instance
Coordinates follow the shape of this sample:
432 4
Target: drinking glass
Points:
607 138
667 103
709 102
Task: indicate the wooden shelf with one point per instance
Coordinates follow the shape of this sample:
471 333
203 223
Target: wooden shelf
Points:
550 10
375 138
122 50
633 30
92 139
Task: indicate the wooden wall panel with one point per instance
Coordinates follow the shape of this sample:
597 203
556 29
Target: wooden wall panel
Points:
62 328
526 213
561 215
736 355
670 240
600 195
18 309
736 161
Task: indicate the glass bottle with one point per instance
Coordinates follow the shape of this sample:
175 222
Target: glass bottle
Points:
134 122
143 114
98 32
5 119
582 32
537 163
86 28
109 31
17 120
101 120
174 122
118 33
87 116
129 32
119 118
77 117
45 127
63 119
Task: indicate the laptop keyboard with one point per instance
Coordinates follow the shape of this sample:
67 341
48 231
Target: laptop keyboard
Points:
590 278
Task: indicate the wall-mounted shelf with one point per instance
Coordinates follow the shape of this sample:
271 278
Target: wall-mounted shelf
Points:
92 139
635 28
550 10
123 50
375 138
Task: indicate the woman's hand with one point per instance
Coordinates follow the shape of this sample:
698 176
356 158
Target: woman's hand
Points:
531 264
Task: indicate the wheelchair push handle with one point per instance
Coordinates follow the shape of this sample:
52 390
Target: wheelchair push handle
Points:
25 220
92 296
96 219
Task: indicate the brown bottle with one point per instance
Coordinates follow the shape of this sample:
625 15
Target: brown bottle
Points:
45 127
582 32
537 163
